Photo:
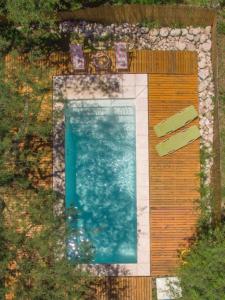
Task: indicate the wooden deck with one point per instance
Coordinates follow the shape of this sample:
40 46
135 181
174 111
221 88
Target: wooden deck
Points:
124 288
173 179
144 61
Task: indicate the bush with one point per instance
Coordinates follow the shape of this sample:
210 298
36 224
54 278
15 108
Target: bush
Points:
202 275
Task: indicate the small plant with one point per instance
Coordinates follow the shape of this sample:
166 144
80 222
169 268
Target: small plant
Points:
206 194
105 37
177 24
81 39
221 27
76 38
150 23
154 290
103 40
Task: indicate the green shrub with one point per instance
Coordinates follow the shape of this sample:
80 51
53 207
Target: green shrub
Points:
221 27
150 24
202 275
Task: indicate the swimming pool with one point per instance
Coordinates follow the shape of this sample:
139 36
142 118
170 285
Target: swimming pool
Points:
100 176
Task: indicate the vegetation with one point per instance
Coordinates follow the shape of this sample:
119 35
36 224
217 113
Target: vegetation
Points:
150 24
33 232
201 275
209 3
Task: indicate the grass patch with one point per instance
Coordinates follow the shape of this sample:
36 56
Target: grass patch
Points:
150 23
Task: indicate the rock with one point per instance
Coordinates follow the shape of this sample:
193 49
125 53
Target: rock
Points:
161 43
201 122
208 101
134 30
203 95
153 39
208 29
203 38
175 32
144 30
184 31
211 107
202 54
207 122
210 138
210 130
208 56
127 30
190 47
196 31
206 46
202 63
164 32
202 86
196 38
203 73
138 34
202 109
154 32
209 115
190 37
180 45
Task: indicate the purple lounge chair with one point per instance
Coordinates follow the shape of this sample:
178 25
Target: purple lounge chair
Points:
121 56
77 56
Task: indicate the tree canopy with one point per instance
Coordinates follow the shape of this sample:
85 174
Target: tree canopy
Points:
34 262
202 274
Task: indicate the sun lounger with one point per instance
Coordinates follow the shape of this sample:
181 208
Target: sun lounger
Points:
176 121
178 141
121 56
77 56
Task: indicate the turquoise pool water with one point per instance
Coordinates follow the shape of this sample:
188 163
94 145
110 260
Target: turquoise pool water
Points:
100 168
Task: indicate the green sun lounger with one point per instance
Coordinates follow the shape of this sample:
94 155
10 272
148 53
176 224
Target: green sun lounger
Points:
176 121
178 141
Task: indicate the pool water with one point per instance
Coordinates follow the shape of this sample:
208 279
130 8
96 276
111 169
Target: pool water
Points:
100 168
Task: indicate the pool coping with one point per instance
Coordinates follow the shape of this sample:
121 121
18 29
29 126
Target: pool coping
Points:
110 86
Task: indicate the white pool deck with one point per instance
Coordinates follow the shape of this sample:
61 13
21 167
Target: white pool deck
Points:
116 87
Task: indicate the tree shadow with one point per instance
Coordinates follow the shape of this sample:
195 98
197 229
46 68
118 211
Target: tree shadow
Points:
111 288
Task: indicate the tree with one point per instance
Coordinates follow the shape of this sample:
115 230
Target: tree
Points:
202 273
34 260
